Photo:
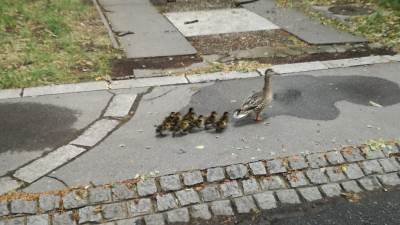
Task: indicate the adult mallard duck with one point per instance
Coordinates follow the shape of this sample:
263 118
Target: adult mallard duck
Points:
258 101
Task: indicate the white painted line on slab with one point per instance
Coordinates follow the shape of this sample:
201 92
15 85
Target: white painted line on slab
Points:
198 78
65 88
218 22
95 133
340 63
298 67
10 93
393 57
120 105
148 82
46 164
8 184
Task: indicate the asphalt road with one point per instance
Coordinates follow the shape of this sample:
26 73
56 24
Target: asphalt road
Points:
381 208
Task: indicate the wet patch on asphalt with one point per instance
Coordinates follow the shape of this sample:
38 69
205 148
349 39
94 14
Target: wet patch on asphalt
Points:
302 96
32 126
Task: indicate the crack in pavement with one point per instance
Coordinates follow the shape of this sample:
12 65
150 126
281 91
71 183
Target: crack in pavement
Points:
161 95
56 179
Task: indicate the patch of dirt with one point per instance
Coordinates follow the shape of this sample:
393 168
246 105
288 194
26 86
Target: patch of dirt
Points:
123 68
222 44
323 56
192 5
350 10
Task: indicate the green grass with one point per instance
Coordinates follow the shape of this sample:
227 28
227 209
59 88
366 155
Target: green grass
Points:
52 41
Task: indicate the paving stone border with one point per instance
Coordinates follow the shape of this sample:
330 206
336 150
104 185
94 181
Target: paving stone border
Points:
205 194
115 113
196 78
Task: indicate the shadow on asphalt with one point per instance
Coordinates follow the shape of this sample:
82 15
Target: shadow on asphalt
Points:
302 96
32 126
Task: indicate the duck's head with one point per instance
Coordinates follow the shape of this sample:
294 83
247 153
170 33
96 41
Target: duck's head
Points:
268 72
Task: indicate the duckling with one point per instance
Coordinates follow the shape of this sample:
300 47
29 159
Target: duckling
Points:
190 115
222 123
258 101
175 120
169 118
183 127
210 121
163 127
198 122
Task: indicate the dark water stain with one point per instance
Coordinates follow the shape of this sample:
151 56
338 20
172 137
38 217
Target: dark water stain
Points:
302 96
32 126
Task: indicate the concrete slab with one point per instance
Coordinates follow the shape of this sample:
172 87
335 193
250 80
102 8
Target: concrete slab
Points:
393 57
65 88
44 165
218 22
96 132
10 93
149 82
298 67
300 25
151 33
198 78
33 126
45 184
355 61
120 105
8 184
311 111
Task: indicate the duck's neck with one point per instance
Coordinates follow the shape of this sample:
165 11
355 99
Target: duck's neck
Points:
267 90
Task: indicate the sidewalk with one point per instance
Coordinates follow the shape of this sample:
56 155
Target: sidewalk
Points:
114 136
330 103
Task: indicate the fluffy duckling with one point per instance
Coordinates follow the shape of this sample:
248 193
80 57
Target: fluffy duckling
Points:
190 115
210 120
175 120
183 127
163 127
222 123
198 122
169 118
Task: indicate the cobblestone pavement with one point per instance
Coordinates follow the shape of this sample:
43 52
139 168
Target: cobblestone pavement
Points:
221 192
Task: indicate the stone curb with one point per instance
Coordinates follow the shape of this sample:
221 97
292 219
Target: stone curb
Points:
221 191
196 78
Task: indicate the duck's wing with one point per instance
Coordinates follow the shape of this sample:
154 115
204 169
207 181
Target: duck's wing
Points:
252 102
249 105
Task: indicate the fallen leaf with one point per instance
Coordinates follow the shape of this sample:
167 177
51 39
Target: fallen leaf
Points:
351 197
375 104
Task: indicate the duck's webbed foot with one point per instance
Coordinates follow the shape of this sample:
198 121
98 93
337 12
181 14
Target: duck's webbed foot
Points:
258 117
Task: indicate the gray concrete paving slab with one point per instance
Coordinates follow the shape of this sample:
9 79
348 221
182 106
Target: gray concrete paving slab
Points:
300 25
311 111
218 22
65 88
151 33
32 126
7 184
45 184
10 93
44 165
120 105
